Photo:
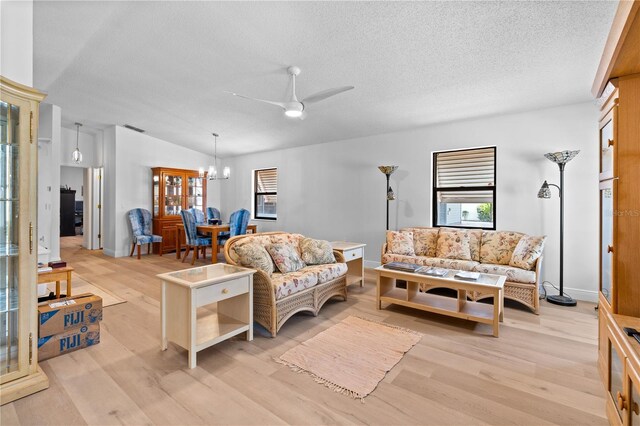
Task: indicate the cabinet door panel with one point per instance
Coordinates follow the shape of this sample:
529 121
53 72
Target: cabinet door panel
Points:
608 221
608 145
616 374
173 194
634 391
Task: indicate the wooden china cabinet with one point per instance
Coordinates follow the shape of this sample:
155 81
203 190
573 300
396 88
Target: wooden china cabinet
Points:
20 374
174 190
617 86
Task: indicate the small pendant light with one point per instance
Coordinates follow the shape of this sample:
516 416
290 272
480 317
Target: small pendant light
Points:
77 155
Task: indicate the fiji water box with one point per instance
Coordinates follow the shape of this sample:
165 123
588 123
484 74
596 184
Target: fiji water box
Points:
68 341
59 315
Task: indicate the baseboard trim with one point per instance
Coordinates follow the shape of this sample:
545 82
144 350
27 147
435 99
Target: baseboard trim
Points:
371 264
577 293
109 252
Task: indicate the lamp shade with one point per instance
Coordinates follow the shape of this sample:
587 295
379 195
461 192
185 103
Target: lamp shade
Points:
544 192
561 157
388 170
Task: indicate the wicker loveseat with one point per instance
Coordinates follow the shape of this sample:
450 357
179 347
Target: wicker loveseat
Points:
490 252
277 297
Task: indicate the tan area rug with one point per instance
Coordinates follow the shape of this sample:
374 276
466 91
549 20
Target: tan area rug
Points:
352 356
79 285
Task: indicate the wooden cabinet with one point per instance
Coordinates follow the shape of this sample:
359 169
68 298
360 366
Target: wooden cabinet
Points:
174 190
19 371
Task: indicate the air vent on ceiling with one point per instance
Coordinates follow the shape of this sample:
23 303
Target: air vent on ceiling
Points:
136 129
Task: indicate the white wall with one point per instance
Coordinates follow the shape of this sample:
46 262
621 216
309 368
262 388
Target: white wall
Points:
335 191
90 145
16 41
49 132
73 178
135 155
109 195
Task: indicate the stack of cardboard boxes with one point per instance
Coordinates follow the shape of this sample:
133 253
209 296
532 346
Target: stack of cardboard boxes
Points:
66 325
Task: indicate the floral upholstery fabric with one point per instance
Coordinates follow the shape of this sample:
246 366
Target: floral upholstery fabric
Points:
293 282
527 252
140 221
263 240
327 272
464 265
291 239
498 246
425 240
316 252
513 274
400 243
285 257
453 244
255 256
192 237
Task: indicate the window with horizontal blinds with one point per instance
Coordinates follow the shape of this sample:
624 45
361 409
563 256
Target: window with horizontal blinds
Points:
464 188
265 193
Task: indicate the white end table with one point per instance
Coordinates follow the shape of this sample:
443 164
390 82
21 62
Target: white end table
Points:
354 257
206 305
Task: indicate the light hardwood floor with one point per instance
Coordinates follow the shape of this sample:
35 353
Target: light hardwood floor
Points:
542 369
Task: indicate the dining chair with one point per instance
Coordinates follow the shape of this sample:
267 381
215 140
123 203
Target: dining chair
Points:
212 213
200 220
237 225
194 241
140 221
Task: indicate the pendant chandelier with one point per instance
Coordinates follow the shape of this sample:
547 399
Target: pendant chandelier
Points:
77 155
213 169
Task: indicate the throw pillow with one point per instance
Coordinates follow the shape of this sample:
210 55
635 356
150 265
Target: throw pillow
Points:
316 252
285 257
453 244
425 241
497 246
527 252
255 256
400 243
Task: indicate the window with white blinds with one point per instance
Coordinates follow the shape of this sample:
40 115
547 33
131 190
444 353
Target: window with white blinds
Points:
265 193
464 188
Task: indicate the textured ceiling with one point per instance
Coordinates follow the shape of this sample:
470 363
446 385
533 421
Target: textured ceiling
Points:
163 66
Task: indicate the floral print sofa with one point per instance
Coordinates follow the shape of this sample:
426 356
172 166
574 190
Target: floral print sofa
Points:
512 254
278 296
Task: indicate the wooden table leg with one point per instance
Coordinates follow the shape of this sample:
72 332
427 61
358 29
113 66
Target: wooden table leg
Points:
496 313
163 318
57 289
69 284
214 247
501 297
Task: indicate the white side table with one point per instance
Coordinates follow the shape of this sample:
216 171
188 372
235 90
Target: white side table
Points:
353 255
206 305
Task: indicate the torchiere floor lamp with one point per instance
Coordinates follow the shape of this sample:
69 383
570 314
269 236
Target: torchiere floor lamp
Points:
388 170
560 158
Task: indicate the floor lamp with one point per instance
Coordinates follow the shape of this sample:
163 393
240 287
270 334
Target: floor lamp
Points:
560 158
388 170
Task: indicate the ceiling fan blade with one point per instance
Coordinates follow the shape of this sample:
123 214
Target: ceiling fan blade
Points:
317 97
280 104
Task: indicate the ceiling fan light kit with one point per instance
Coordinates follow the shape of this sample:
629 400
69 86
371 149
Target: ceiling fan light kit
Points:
294 108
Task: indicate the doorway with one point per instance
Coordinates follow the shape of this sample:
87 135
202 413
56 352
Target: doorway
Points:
81 206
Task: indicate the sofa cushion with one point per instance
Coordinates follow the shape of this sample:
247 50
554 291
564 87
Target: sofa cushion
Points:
263 240
465 265
285 238
316 252
255 256
425 241
497 246
516 275
453 244
527 252
400 243
287 284
286 257
328 272
475 237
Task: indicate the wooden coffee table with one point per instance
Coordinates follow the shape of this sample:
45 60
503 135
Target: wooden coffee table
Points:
458 307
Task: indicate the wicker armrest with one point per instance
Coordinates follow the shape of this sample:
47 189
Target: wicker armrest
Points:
339 256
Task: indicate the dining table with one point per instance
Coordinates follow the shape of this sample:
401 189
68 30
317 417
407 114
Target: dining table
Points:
213 230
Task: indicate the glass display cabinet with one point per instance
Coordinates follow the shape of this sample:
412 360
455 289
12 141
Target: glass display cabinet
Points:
19 371
174 190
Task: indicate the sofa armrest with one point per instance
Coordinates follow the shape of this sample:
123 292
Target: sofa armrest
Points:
383 252
339 256
538 270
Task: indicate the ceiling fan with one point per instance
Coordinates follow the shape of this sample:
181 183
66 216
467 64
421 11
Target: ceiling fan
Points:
293 107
